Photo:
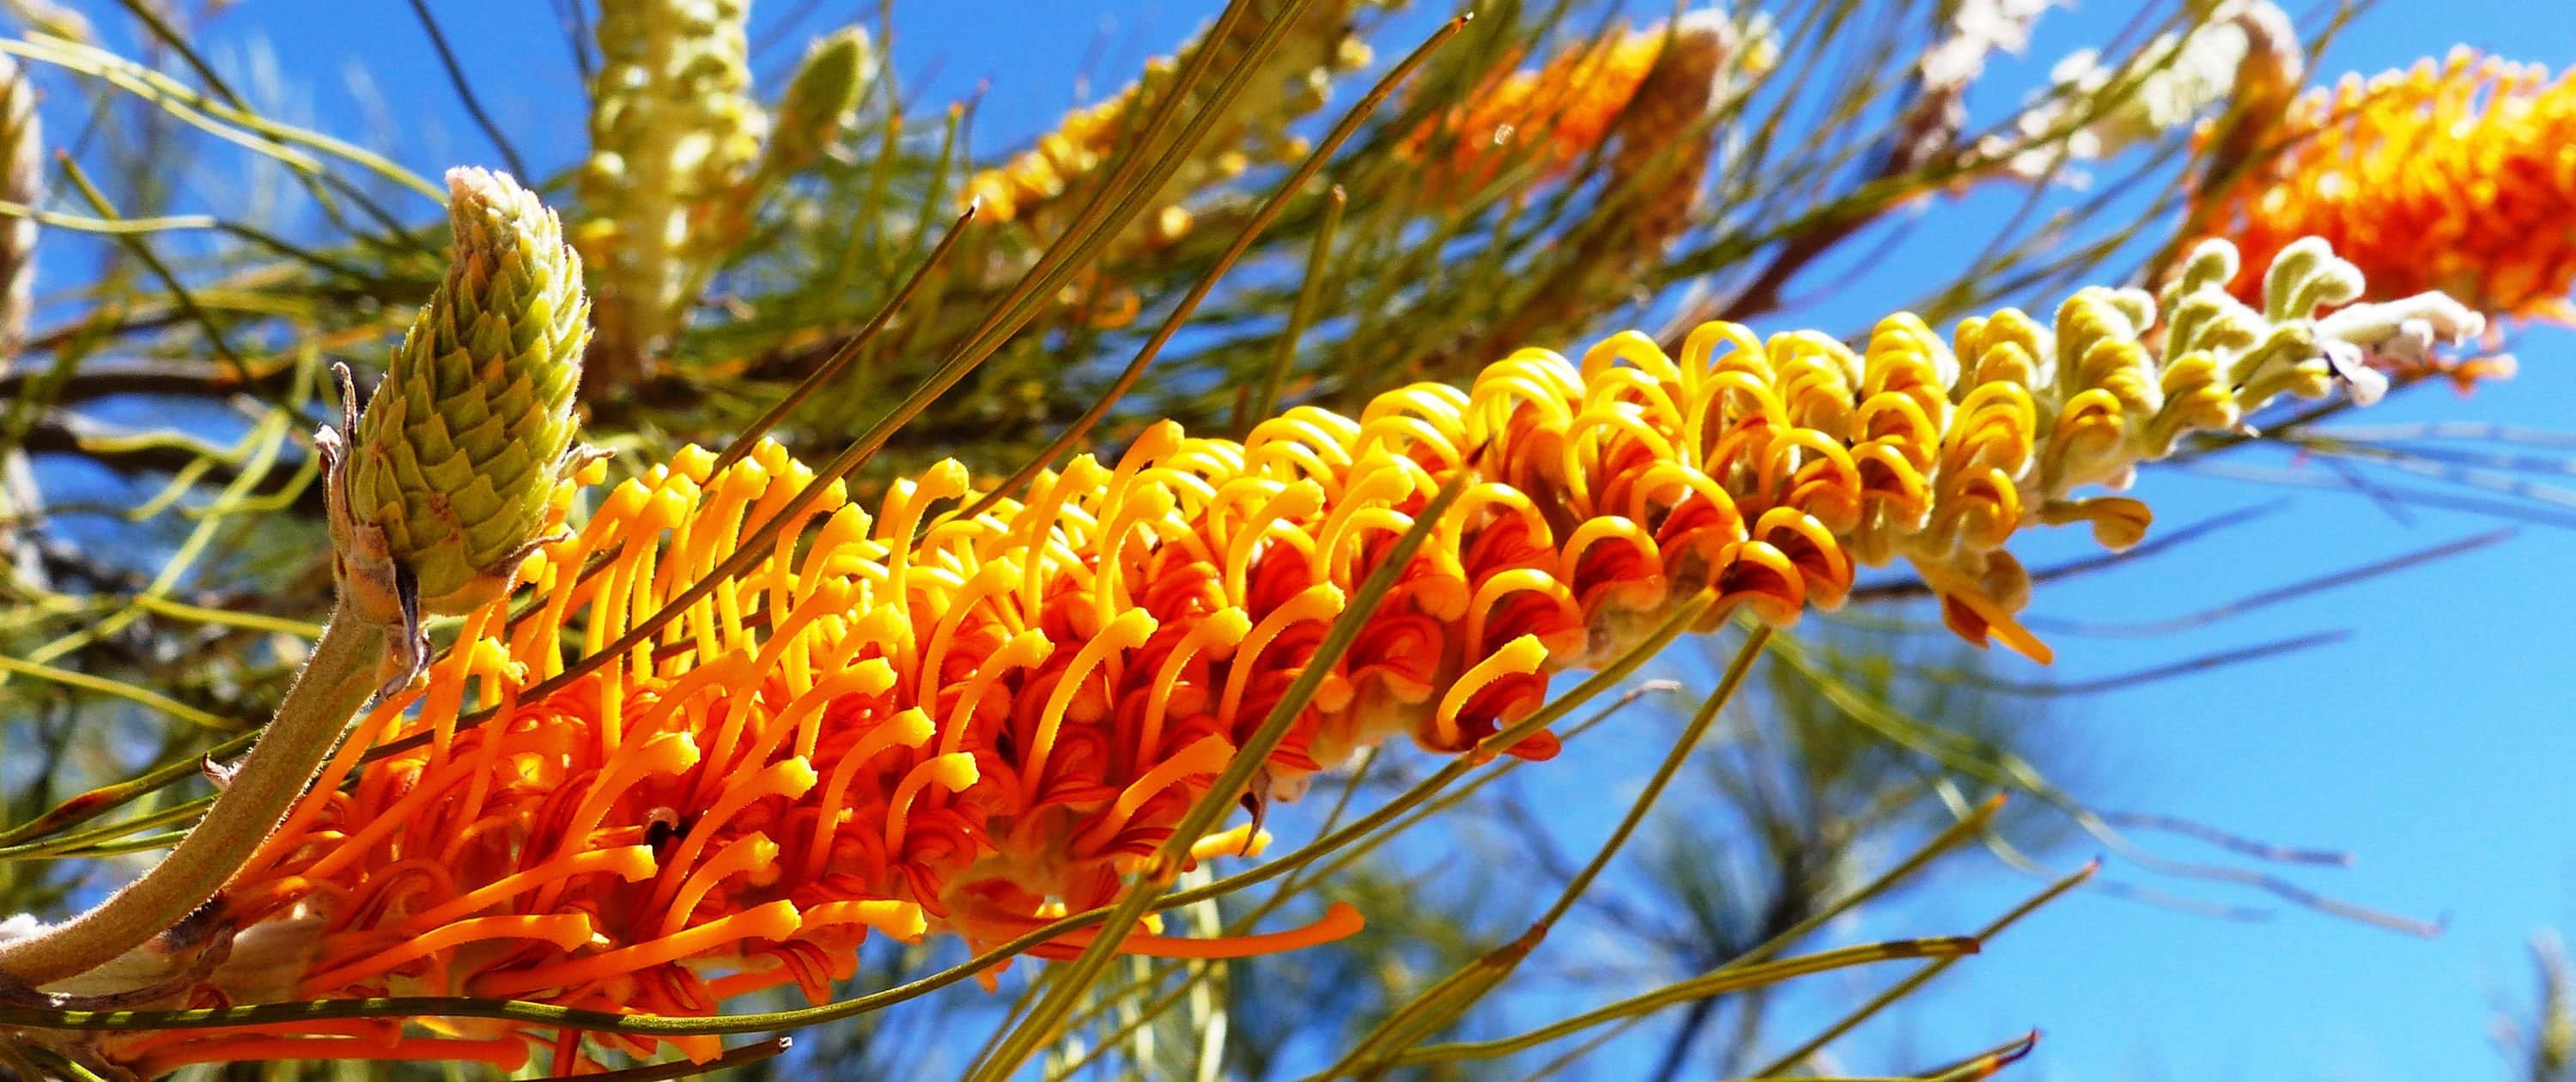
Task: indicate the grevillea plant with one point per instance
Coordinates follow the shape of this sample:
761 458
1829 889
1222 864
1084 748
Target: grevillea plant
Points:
600 760
935 720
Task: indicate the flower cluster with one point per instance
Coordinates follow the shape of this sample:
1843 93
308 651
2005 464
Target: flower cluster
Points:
1646 88
922 721
2242 56
1663 136
2447 176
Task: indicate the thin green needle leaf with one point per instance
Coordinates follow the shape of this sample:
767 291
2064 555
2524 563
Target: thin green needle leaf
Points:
1922 976
1443 1002
1318 266
1717 983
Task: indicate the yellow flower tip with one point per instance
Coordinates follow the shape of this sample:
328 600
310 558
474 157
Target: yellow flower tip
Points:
1241 840
675 137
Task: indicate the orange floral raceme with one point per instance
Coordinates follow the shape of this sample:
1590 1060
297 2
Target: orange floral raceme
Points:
2453 176
1554 114
915 722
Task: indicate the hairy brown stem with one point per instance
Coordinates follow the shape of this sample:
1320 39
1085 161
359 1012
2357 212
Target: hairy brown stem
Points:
335 683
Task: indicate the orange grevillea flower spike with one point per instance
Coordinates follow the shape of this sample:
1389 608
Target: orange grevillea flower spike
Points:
1562 110
2449 176
916 722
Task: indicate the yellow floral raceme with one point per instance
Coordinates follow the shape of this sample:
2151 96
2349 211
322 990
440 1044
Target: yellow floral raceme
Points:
2451 176
674 133
1032 187
917 722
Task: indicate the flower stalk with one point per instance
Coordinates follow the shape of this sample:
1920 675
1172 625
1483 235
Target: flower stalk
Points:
336 681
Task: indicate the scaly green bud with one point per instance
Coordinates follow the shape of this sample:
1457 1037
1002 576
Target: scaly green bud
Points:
674 133
826 87
462 459
454 466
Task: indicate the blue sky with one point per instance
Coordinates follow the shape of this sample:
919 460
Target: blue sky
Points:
2432 744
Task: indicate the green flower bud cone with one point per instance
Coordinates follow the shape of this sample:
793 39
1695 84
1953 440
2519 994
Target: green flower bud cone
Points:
461 448
825 88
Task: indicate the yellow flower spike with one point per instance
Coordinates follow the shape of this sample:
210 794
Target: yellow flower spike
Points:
1031 187
674 134
22 181
986 739
22 177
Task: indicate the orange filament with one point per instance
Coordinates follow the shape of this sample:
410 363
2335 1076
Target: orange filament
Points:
565 932
774 921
